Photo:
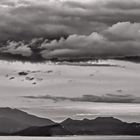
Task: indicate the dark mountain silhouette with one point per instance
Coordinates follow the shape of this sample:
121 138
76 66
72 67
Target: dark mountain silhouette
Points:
101 126
53 130
16 122
9 125
98 126
12 120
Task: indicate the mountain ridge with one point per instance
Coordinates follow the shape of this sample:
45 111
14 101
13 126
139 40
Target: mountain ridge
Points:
97 126
12 120
18 126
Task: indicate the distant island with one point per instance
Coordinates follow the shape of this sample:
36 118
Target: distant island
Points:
14 122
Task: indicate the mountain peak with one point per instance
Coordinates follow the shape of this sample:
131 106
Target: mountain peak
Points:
85 119
107 119
21 119
8 109
68 120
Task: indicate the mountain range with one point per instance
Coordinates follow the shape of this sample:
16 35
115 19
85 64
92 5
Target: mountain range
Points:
18 123
12 120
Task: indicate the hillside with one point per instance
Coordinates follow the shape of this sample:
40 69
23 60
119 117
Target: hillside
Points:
12 120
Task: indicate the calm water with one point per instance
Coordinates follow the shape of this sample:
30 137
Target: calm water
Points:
74 138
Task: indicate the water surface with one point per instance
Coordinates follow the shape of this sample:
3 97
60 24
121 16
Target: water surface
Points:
74 138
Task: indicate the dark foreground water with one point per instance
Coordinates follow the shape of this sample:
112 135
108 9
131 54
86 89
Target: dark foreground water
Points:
74 138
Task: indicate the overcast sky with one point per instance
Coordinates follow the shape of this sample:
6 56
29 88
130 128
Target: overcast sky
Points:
37 30
77 28
63 91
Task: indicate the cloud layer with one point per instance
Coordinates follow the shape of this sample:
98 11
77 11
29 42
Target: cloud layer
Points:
121 39
27 19
107 98
69 28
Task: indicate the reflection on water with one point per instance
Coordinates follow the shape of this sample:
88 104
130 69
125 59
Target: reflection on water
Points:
74 138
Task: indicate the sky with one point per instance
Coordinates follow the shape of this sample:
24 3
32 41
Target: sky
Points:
39 30
65 91
33 31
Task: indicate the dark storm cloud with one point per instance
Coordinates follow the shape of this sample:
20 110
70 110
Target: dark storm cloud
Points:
109 11
126 42
121 39
16 48
26 19
125 4
70 28
107 98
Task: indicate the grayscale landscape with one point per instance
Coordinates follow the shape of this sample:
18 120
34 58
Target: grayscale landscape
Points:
69 69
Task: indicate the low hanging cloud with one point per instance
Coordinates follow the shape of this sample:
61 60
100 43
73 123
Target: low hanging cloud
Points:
53 19
69 29
16 48
107 98
125 31
119 40
74 46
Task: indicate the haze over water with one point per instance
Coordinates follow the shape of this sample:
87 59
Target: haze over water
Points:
74 138
67 81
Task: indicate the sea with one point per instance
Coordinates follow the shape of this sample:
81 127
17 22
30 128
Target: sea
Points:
73 138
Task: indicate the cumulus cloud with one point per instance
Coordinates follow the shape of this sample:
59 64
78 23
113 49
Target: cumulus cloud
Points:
70 28
107 98
74 46
16 48
118 40
27 19
125 30
121 39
